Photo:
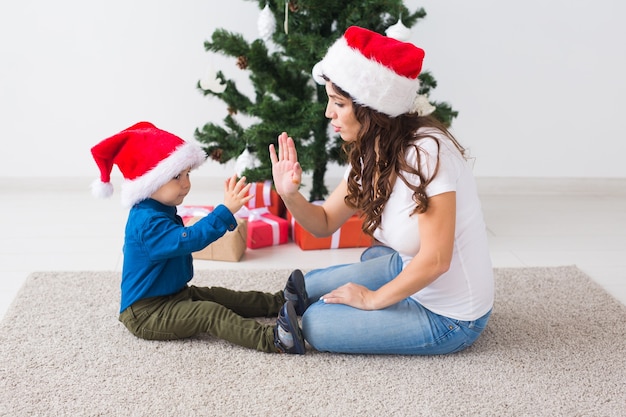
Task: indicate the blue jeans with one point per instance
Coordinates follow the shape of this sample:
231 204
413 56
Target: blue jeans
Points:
404 328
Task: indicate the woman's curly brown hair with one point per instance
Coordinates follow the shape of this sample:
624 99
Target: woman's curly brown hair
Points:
373 173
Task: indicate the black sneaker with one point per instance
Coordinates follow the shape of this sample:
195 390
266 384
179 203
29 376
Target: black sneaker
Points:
287 334
295 291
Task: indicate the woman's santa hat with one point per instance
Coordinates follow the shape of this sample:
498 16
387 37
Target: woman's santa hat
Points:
147 157
377 71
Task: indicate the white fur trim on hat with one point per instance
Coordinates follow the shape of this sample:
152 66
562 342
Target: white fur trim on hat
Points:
188 155
368 82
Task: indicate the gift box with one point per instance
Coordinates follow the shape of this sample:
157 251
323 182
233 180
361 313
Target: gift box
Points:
350 235
264 228
187 212
266 196
229 247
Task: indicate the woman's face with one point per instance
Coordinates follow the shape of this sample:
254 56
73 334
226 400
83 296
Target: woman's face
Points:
341 114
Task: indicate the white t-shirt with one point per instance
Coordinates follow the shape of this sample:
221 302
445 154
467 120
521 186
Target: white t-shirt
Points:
465 291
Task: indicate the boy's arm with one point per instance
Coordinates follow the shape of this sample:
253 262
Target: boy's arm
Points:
164 238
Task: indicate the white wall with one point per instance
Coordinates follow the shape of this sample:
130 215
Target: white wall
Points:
539 85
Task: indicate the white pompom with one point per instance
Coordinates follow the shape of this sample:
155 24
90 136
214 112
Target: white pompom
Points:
101 189
245 161
266 23
399 32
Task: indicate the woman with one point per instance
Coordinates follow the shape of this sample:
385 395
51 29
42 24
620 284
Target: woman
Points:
427 286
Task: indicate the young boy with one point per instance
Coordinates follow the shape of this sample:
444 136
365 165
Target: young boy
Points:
157 303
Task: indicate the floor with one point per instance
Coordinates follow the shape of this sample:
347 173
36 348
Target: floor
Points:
55 224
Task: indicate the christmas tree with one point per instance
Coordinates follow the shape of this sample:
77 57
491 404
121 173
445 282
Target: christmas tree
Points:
294 36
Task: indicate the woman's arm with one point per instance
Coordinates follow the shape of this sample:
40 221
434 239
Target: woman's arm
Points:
320 220
436 229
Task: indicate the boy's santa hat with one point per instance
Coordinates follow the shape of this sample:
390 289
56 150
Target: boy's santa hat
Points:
147 157
377 71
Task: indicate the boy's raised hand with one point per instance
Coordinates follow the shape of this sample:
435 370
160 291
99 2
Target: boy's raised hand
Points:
236 193
286 169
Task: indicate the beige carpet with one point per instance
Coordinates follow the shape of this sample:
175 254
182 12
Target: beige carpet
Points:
555 346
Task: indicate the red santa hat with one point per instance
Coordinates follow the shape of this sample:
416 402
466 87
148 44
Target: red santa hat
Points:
147 157
377 71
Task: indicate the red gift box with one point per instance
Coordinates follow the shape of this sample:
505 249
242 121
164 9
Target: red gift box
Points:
265 229
266 196
349 235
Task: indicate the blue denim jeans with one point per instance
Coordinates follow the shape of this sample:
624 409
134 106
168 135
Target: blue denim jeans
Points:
404 328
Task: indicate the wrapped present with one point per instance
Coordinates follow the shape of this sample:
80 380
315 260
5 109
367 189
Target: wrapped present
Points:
266 196
264 228
187 212
229 247
350 235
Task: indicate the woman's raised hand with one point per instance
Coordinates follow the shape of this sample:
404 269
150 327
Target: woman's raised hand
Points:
286 170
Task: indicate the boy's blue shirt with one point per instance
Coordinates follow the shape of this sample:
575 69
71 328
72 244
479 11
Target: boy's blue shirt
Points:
158 247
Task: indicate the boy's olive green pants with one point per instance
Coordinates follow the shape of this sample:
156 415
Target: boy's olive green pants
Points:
220 312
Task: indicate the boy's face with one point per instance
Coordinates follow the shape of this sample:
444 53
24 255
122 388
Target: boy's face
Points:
173 192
